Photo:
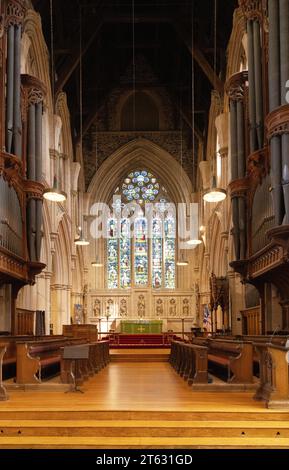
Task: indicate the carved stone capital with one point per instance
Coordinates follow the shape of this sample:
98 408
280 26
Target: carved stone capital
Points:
35 91
236 84
277 122
15 12
239 187
252 9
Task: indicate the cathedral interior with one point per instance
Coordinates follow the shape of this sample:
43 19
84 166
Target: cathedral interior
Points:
144 210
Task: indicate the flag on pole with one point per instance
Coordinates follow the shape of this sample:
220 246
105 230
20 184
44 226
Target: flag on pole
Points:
207 320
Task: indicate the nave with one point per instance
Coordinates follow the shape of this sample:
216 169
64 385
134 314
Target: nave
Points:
139 405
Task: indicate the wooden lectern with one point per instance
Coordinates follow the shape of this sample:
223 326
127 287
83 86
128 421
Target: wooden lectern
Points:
75 353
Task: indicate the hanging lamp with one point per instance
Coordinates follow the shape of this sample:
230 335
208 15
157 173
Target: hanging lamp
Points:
81 241
214 194
53 194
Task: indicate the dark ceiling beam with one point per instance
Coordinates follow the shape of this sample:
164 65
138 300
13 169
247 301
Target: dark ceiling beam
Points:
201 60
72 63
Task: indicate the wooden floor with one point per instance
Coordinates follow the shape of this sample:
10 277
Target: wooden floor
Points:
139 405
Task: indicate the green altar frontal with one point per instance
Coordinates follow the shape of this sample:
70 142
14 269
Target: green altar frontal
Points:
141 326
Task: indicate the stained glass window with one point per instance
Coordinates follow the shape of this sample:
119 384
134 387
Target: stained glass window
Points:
141 187
169 252
125 255
141 252
157 253
147 254
112 254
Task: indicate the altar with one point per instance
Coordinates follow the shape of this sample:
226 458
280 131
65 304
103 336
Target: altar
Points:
141 326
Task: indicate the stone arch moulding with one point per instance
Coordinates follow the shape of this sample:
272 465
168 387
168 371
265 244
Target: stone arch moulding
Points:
140 152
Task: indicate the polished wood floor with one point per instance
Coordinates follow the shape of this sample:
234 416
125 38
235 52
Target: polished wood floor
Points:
139 405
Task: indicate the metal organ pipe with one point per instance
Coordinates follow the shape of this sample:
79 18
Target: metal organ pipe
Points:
38 175
274 55
31 173
274 102
17 125
234 148
284 75
252 87
240 140
258 83
10 88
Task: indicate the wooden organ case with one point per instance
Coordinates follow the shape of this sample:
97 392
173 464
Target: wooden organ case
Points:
21 189
259 114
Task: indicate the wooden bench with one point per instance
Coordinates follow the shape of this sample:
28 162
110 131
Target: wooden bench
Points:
274 375
98 359
236 357
190 361
36 356
3 393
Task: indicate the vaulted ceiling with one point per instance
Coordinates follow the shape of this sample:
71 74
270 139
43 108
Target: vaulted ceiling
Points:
113 31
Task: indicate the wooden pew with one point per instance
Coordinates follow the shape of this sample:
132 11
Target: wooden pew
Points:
236 357
98 359
35 356
3 393
190 361
274 375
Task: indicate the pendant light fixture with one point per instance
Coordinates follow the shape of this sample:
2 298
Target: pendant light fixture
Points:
81 241
215 194
53 194
193 241
181 260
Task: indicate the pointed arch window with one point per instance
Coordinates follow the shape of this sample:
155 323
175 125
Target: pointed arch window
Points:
142 252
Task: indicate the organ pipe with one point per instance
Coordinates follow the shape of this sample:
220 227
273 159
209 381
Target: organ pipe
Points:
17 127
233 127
274 55
38 175
240 140
252 87
10 88
258 83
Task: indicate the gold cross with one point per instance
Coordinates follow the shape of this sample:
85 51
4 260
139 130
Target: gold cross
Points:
141 328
